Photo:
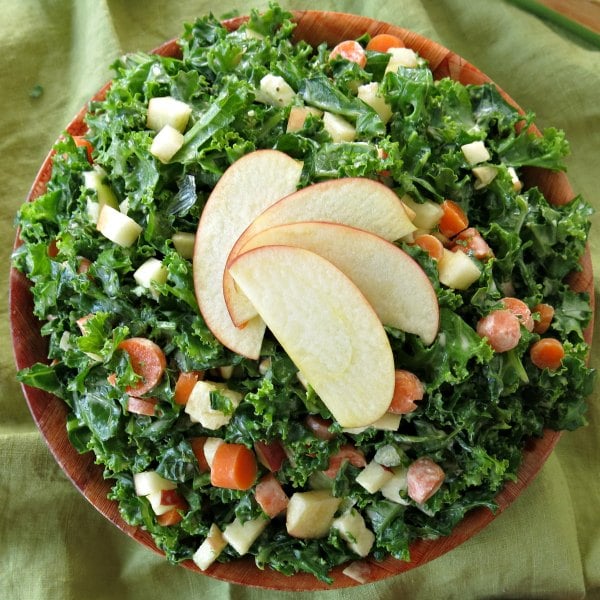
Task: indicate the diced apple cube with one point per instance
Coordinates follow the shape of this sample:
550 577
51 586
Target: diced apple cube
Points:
166 110
369 94
354 532
210 548
484 175
253 35
373 477
242 536
226 372
516 182
184 243
157 506
475 152
166 143
457 270
388 456
149 482
298 115
151 271
210 447
310 514
393 488
275 91
338 128
401 57
96 180
199 407
117 227
427 214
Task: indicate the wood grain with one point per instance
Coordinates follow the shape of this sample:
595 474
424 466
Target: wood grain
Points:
49 412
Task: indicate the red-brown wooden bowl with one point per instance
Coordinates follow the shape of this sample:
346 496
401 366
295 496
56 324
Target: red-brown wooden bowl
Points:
49 412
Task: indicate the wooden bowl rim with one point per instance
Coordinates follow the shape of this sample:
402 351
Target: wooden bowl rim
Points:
49 412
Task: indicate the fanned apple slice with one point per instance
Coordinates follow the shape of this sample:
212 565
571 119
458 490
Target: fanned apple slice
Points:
354 201
394 284
326 326
247 188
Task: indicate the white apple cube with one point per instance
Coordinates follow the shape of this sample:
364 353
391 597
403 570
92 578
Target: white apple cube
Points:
210 448
149 482
95 180
298 115
369 94
117 227
354 532
475 152
166 110
457 270
310 514
484 175
388 456
184 243
166 143
401 57
210 548
200 410
373 477
274 90
226 372
155 499
427 214
150 272
396 488
338 128
517 184
388 422
241 536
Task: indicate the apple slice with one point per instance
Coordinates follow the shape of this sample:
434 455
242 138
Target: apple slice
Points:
394 284
358 202
250 185
325 325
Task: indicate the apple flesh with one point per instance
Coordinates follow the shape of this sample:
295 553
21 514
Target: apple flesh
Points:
361 203
354 532
310 514
393 283
210 548
241 536
246 189
326 326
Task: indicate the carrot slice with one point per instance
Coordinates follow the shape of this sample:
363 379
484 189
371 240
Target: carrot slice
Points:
501 328
171 517
233 467
197 445
547 353
83 143
382 42
407 389
270 496
147 360
546 314
520 310
431 245
454 219
185 384
350 50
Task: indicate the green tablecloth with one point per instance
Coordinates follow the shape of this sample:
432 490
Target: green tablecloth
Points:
53 544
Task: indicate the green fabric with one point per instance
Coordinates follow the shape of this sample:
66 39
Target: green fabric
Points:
53 543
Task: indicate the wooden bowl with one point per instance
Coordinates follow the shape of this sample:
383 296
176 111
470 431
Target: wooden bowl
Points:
49 412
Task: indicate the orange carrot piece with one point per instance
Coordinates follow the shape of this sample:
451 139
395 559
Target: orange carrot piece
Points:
454 220
346 453
83 143
142 406
382 42
52 249
547 353
233 467
501 328
520 310
350 50
185 384
431 245
270 495
546 312
408 388
147 360
170 518
197 445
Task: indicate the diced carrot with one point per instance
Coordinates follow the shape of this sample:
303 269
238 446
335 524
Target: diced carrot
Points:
346 453
546 314
147 360
171 517
453 220
501 328
408 388
52 249
424 478
185 384
197 445
431 245
84 265
233 467
471 242
270 454
520 310
112 379
81 323
382 42
319 426
142 406
83 143
547 353
270 495
350 50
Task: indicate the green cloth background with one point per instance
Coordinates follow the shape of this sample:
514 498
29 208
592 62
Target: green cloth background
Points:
53 544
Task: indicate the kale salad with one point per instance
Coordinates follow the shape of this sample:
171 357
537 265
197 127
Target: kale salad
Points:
264 468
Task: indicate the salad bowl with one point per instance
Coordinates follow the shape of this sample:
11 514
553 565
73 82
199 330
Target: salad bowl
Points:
50 413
